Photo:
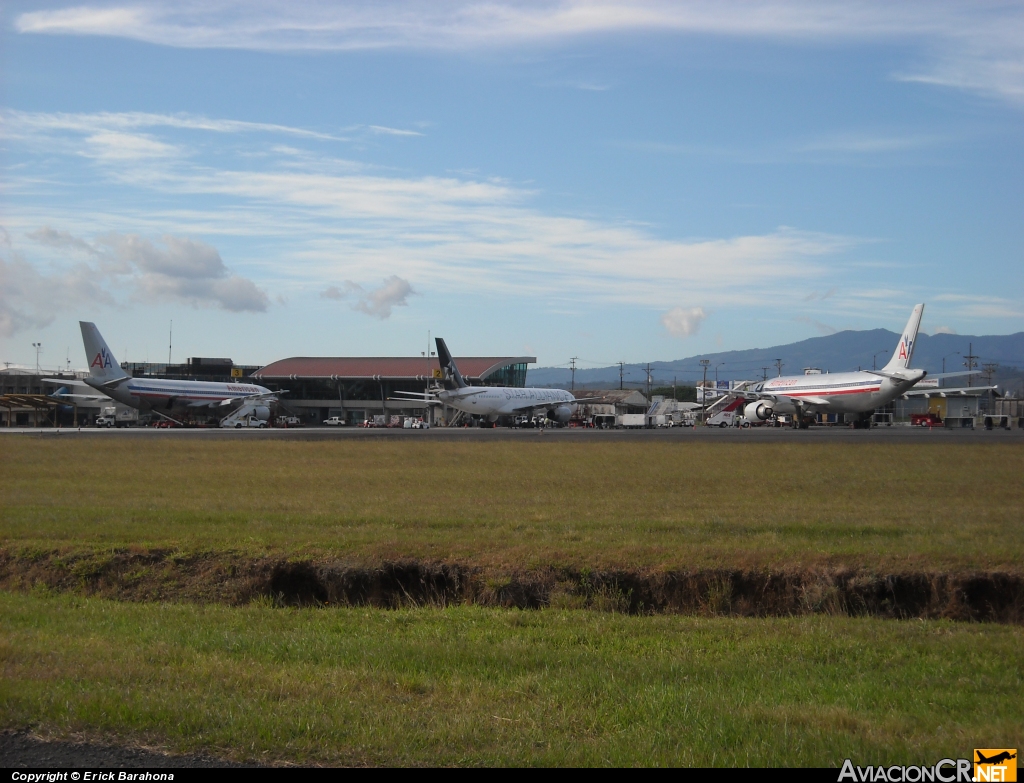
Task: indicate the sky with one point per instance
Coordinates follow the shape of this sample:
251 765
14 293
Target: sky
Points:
633 181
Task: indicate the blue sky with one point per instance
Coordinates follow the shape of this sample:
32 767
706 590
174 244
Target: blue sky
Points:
639 181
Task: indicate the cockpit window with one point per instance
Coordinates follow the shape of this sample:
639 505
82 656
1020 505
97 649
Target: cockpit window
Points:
759 387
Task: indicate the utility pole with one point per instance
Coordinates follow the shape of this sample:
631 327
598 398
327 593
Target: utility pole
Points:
779 365
622 373
764 373
970 364
704 392
990 370
572 366
648 381
170 341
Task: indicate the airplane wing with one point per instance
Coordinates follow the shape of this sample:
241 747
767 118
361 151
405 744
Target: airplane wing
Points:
752 396
414 395
820 402
948 391
268 396
424 400
539 405
956 374
87 397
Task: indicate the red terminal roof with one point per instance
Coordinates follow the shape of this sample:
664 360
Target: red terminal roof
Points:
476 367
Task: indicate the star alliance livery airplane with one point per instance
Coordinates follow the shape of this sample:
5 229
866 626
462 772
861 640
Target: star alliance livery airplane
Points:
490 402
227 401
801 396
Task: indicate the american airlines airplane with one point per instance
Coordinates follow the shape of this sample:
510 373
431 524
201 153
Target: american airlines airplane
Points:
845 392
164 397
490 402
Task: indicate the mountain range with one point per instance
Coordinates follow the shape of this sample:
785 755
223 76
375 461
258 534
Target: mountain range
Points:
839 352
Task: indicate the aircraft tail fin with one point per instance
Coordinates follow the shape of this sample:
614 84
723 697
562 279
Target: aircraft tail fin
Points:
451 372
103 367
905 349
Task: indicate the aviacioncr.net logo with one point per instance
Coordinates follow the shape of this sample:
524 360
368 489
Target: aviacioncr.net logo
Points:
944 771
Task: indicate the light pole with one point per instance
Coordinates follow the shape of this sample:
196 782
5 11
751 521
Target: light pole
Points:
874 355
942 381
704 392
720 364
39 348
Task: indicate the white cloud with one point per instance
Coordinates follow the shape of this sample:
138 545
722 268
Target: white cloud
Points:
18 123
31 298
386 131
982 307
62 240
459 233
870 143
374 301
117 266
117 146
963 45
683 323
945 330
183 269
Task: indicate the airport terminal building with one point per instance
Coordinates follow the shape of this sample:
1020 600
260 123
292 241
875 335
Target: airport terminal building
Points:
359 388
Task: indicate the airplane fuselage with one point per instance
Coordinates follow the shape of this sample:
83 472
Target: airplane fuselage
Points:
844 392
494 401
159 393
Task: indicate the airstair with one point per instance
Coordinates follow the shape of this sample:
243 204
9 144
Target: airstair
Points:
458 419
240 416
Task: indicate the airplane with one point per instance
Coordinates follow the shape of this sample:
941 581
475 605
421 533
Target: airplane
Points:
857 393
996 759
163 397
490 402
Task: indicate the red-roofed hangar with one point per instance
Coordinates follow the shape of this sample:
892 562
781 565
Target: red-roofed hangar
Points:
356 388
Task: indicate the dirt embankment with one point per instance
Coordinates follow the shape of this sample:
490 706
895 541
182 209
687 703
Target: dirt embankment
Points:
231 578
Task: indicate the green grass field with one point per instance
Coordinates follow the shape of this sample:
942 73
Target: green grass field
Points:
468 685
516 504
472 686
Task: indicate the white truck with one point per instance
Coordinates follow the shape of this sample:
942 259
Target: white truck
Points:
631 420
117 416
334 421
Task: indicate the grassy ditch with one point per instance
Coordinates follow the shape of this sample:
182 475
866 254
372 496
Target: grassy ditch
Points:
510 505
467 685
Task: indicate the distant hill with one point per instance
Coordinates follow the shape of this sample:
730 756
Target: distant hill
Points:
838 352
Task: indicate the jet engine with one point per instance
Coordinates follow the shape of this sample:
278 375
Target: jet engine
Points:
561 414
261 412
758 411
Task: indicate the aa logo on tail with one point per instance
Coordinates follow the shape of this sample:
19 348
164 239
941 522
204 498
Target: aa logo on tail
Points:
995 764
905 347
102 360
